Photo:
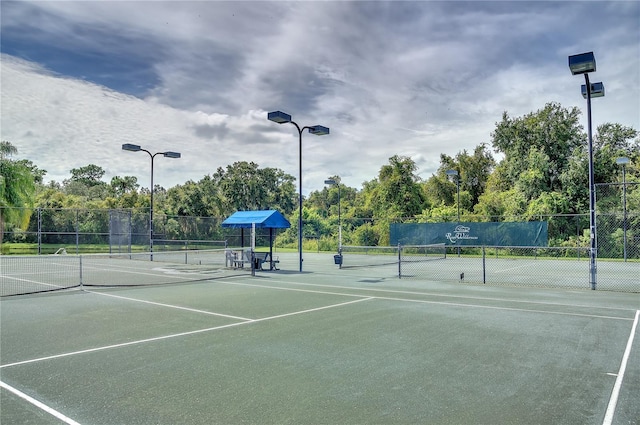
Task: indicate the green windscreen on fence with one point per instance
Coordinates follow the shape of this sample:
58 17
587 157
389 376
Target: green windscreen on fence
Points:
530 233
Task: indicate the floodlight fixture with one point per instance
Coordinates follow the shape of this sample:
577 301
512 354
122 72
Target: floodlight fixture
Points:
131 147
279 117
582 63
318 130
597 90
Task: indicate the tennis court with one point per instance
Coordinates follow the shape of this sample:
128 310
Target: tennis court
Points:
326 346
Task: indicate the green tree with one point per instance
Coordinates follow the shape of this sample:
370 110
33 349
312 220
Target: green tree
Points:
37 173
17 190
244 186
542 141
186 200
85 182
610 142
89 175
473 174
397 192
124 185
542 155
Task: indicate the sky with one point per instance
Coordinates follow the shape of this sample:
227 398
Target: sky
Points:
410 78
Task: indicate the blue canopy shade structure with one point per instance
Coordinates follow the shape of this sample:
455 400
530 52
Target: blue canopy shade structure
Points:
267 219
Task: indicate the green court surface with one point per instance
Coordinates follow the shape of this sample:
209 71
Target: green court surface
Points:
325 346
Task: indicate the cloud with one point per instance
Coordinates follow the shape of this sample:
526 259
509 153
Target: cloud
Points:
415 79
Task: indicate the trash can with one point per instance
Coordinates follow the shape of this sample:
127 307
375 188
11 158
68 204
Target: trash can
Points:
337 259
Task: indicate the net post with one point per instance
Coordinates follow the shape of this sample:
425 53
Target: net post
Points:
253 249
484 266
77 230
39 230
399 261
253 262
80 261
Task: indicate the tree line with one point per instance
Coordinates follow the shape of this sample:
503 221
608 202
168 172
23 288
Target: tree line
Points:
542 171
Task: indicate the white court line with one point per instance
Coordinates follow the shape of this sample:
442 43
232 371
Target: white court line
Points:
38 404
524 310
613 400
39 283
281 288
432 294
490 307
120 270
160 338
524 266
193 310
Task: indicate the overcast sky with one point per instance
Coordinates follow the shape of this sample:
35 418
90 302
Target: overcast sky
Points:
416 79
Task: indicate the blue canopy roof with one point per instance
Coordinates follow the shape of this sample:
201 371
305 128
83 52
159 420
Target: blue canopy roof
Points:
268 218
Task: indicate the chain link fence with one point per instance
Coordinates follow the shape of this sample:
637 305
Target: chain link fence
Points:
549 267
618 221
617 228
103 230
119 230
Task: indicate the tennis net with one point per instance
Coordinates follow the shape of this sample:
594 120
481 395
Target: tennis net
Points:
20 275
371 256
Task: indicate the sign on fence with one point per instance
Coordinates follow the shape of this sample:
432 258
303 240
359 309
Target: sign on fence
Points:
531 233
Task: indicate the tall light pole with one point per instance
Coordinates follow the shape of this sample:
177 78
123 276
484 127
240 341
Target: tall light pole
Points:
584 63
334 182
282 118
169 154
624 161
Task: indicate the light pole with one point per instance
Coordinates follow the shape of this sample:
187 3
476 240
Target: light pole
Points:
334 182
624 161
136 148
455 173
584 63
282 118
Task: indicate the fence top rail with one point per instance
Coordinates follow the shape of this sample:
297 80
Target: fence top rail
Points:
617 184
520 247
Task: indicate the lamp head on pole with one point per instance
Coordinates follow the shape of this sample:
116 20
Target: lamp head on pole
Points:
318 130
171 154
452 172
279 117
582 63
620 161
131 147
597 90
330 181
